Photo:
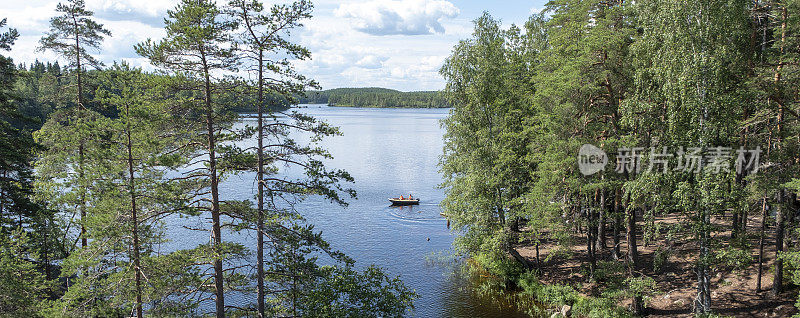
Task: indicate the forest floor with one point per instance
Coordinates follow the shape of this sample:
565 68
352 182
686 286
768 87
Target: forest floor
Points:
733 291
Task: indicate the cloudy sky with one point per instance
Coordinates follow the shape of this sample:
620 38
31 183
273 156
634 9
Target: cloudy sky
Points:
396 44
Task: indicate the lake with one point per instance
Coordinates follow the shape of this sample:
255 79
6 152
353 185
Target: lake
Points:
389 152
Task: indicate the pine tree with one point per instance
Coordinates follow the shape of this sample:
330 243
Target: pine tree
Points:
22 284
69 36
198 46
141 148
585 73
772 125
263 34
16 148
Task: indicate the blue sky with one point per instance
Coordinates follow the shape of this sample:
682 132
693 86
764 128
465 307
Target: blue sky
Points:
396 44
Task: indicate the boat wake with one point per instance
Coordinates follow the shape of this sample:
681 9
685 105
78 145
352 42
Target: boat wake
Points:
415 214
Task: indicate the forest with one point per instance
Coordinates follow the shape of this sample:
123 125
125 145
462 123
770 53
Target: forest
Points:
94 159
691 110
375 97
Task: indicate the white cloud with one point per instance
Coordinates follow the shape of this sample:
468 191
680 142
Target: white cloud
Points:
407 17
153 8
343 55
371 61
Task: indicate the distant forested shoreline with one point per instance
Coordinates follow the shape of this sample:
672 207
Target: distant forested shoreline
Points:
376 97
43 87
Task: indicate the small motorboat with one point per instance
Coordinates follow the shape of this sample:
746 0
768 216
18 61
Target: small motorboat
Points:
404 201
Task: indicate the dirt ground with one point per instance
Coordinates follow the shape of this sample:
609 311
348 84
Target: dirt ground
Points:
733 292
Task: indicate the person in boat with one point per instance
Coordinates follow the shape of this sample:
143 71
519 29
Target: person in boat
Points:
401 197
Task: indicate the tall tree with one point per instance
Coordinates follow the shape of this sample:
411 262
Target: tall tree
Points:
198 45
695 80
484 179
69 36
142 148
22 284
773 123
585 73
264 34
17 148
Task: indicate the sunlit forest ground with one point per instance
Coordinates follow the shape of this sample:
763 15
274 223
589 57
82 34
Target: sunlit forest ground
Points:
671 263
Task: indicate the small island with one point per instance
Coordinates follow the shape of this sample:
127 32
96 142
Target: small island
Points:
375 97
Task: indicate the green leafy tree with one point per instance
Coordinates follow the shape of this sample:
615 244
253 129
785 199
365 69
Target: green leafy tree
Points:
288 278
485 166
696 80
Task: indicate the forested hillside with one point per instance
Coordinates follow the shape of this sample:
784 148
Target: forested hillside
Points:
376 97
42 88
630 157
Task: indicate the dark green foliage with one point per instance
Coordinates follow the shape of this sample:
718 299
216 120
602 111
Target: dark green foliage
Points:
26 229
22 285
16 150
375 97
342 291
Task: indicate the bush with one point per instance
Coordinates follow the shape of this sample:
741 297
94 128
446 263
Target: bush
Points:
734 258
661 259
554 296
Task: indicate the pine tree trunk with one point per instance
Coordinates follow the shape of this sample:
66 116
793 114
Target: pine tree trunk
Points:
777 282
633 253
82 203
135 223
216 232
2 197
601 221
590 239
81 107
260 219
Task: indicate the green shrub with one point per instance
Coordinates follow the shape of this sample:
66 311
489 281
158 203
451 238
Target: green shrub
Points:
661 259
554 296
733 258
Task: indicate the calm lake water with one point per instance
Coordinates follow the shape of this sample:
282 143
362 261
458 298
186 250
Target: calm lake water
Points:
389 152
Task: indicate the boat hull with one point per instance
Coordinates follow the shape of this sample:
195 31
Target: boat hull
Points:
404 202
